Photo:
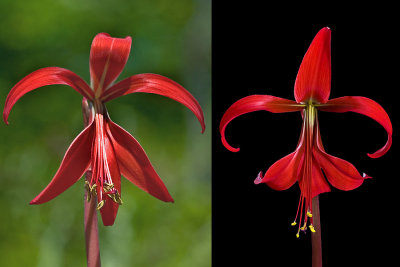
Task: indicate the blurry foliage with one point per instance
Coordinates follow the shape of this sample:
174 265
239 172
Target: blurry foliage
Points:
171 38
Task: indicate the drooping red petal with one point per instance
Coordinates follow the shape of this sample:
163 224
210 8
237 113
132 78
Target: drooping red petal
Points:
43 77
319 184
73 166
366 107
110 208
156 84
134 164
340 173
313 81
283 173
108 57
255 103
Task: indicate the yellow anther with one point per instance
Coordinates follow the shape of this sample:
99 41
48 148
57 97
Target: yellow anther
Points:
303 228
293 223
100 205
309 214
297 235
311 228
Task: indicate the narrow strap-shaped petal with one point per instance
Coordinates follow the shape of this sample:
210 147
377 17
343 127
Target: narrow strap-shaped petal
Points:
366 107
283 173
134 164
108 57
43 77
340 173
73 166
156 84
255 103
313 81
110 208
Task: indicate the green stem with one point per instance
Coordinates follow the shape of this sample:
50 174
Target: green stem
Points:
316 237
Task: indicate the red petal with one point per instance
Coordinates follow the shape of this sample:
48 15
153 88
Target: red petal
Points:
366 107
340 173
134 164
73 166
313 81
110 208
156 84
43 77
108 57
319 184
283 173
255 103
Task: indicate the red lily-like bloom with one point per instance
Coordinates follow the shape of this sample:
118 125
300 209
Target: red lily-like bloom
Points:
104 147
309 161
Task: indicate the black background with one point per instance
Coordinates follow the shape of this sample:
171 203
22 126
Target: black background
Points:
258 50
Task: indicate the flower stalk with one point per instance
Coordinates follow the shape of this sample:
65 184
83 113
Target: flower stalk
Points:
90 217
91 230
316 237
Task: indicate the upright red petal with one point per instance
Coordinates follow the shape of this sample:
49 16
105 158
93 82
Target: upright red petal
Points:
134 164
43 77
73 166
366 107
110 208
313 81
108 57
255 103
156 84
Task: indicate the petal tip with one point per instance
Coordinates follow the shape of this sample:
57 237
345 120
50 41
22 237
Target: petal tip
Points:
259 178
366 176
34 202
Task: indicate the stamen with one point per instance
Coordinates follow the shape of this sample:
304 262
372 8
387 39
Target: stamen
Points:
100 205
293 223
312 228
309 214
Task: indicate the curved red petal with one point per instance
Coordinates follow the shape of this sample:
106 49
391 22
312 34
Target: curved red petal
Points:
366 107
313 81
319 184
110 208
43 77
340 173
134 164
156 84
283 173
255 103
108 57
73 166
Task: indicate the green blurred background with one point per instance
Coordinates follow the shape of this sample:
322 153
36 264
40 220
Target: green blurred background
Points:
171 38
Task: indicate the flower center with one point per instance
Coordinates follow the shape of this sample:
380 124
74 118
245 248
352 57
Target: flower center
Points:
101 183
305 174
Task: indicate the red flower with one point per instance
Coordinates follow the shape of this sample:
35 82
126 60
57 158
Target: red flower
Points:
306 163
103 146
